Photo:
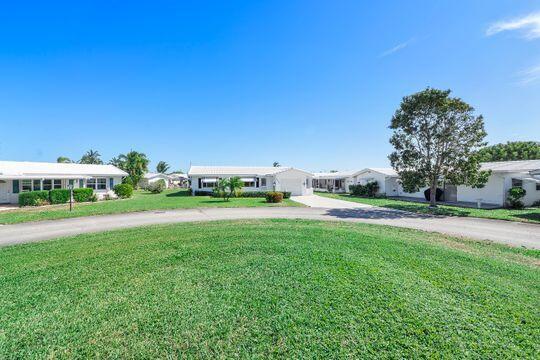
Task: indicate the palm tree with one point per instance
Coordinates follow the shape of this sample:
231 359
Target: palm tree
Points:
235 185
162 167
276 164
116 161
135 164
63 159
220 189
91 157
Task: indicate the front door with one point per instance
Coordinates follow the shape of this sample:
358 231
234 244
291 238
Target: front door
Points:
4 198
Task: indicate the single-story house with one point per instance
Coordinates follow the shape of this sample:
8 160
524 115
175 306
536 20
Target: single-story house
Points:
504 175
295 181
336 181
21 176
150 178
179 180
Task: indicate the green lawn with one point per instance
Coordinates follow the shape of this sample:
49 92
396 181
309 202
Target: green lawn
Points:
525 215
268 289
141 200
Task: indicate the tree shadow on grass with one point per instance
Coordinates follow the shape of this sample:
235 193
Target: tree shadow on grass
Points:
179 193
376 214
532 216
427 210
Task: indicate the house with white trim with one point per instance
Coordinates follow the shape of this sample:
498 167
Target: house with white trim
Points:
288 179
335 181
150 178
22 176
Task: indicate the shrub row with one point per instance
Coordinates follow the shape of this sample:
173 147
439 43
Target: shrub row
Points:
247 194
368 190
55 196
274 197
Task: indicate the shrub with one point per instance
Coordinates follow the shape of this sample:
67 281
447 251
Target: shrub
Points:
515 194
93 198
536 204
286 194
82 194
59 196
201 193
34 198
368 190
156 187
123 191
274 197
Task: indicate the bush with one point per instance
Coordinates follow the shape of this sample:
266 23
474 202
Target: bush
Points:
536 204
156 187
515 194
59 196
123 191
368 190
274 197
201 193
34 198
82 194
286 194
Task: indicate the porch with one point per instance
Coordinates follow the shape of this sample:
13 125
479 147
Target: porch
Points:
329 185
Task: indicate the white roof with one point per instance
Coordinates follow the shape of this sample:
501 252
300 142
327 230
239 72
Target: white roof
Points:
238 170
151 175
177 176
336 174
384 171
512 166
22 169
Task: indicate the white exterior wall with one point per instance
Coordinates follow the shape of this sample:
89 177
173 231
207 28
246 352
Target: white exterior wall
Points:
294 181
155 179
492 193
269 183
13 198
370 176
532 195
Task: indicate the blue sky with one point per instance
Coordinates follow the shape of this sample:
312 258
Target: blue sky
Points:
311 84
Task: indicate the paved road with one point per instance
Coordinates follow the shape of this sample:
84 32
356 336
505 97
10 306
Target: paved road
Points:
516 234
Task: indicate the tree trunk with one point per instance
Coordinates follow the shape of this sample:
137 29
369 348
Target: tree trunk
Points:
433 194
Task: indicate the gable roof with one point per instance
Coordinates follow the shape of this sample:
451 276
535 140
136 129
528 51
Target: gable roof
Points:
151 175
385 171
512 166
239 170
28 169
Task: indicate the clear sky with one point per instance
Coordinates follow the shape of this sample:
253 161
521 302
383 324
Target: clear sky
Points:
312 84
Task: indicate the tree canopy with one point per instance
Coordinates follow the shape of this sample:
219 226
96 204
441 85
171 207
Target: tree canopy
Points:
91 157
134 163
162 167
435 137
512 150
63 159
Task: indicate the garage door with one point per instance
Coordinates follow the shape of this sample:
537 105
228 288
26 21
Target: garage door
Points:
294 186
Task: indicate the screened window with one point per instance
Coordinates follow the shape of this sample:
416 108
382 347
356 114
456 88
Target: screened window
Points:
57 183
26 185
102 184
517 183
263 182
91 183
47 184
249 183
37 185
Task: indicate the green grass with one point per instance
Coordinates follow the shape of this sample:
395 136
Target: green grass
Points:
525 215
141 201
268 289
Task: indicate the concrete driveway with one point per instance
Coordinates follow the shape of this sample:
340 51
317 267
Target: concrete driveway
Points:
505 232
328 203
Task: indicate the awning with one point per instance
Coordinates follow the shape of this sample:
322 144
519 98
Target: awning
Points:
247 179
209 180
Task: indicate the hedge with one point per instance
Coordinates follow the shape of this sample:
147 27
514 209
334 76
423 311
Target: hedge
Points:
368 190
34 198
59 196
250 194
123 191
274 197
83 194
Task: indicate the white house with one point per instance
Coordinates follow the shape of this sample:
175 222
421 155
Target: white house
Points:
295 181
150 178
337 181
504 175
180 180
21 176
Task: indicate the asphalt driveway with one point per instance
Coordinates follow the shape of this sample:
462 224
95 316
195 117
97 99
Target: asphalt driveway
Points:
505 232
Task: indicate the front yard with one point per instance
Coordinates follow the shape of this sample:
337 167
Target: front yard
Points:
141 201
525 215
268 289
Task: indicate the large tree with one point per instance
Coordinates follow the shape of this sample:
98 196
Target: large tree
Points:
91 157
135 164
512 150
63 159
162 167
435 137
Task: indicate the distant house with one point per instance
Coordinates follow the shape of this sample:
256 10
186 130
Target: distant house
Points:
295 181
179 180
22 176
150 178
336 182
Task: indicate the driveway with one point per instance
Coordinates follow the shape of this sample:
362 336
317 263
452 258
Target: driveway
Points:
505 232
328 203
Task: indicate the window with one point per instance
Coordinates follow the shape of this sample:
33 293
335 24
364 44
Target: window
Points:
517 183
57 183
102 184
47 184
26 185
249 183
263 182
537 186
91 183
37 185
